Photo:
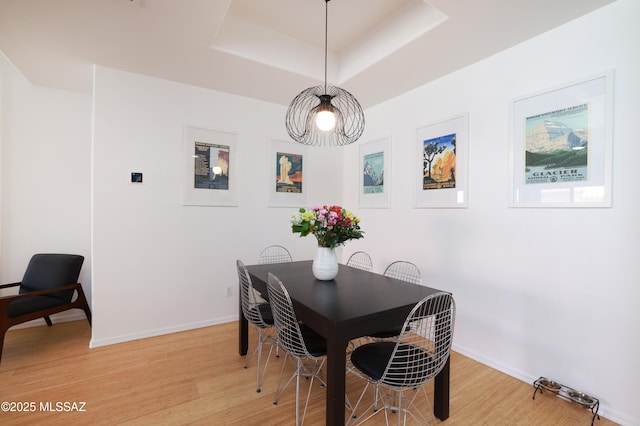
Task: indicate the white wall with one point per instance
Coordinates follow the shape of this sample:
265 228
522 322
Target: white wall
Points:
540 292
160 266
45 177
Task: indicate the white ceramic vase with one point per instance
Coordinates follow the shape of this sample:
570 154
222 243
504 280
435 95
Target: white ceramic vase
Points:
325 264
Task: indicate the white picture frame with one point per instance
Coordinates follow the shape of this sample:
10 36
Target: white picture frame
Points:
289 190
209 167
374 181
442 174
561 145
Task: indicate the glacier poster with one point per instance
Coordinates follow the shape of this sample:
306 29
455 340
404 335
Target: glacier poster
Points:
373 173
557 146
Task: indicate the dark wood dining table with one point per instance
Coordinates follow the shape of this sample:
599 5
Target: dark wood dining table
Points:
356 303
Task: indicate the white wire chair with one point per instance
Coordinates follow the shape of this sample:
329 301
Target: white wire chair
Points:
274 254
400 368
304 347
258 314
360 260
405 271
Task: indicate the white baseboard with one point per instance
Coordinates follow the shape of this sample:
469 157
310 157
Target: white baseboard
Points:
604 410
504 368
96 343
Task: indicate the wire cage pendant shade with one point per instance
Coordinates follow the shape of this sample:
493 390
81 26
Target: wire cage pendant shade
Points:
341 120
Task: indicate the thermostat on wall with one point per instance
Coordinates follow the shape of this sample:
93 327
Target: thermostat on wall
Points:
136 177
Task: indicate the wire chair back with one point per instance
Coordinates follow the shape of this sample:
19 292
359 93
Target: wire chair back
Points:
360 260
274 254
405 271
284 318
248 298
422 349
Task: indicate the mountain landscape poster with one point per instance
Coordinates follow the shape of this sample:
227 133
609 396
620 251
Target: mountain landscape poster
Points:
374 182
557 146
373 173
561 146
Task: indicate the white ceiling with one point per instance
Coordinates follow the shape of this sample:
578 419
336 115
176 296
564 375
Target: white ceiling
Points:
270 49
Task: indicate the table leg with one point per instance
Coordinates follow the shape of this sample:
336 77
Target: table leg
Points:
441 393
336 365
243 332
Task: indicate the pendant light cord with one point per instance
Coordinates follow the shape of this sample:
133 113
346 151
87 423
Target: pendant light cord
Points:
326 30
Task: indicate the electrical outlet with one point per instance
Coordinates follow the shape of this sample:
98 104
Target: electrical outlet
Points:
229 292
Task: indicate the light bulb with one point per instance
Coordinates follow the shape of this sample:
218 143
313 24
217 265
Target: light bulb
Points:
325 120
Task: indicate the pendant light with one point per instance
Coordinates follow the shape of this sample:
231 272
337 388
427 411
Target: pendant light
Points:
325 115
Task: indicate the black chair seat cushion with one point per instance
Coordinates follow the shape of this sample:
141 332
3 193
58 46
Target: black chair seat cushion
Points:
315 343
265 312
372 359
32 304
392 332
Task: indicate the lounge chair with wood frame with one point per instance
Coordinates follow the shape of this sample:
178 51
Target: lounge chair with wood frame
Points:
47 288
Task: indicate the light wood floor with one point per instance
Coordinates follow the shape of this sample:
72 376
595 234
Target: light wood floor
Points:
196 378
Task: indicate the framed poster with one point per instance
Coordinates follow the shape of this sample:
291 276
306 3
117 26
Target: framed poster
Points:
441 163
374 188
209 168
287 186
560 153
